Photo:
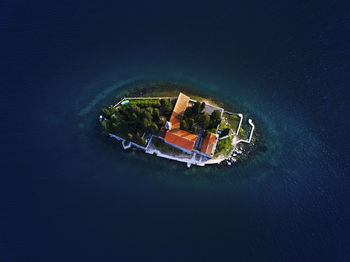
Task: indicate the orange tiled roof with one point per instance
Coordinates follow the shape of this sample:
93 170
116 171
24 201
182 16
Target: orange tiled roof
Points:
208 144
179 110
181 138
177 136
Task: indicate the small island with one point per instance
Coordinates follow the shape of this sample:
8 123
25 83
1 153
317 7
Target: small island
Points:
177 128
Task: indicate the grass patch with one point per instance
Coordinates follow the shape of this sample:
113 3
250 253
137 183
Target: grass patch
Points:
233 120
223 147
165 148
223 125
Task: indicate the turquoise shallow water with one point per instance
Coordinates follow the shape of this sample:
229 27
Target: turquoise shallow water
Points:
68 193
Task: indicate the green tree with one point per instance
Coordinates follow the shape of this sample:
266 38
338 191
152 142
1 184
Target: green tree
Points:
106 113
212 130
183 125
105 126
161 121
194 130
142 141
225 132
130 136
147 115
145 123
205 133
134 117
202 106
188 112
215 117
190 123
196 108
168 108
204 120
162 102
156 114
114 119
112 109
149 109
154 128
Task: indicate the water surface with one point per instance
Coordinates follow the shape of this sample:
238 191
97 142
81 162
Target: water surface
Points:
67 193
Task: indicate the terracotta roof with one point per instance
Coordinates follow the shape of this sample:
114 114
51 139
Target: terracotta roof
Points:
179 110
181 138
208 144
175 135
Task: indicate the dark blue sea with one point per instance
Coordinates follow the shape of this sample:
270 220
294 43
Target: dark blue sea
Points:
67 193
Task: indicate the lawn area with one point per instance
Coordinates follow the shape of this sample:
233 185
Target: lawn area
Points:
165 148
223 147
233 120
223 125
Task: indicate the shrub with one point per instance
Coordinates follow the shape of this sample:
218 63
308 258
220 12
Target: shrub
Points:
215 118
183 125
212 130
134 117
225 132
196 108
190 123
114 119
145 123
147 115
161 121
106 113
156 114
142 141
162 102
224 146
105 126
149 109
167 108
204 120
145 102
188 112
112 109
154 128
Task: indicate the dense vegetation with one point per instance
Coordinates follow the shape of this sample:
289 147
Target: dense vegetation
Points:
195 119
137 118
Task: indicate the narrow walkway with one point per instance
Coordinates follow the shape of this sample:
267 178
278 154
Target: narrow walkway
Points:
240 123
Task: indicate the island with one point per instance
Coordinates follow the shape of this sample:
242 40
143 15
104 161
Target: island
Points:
177 128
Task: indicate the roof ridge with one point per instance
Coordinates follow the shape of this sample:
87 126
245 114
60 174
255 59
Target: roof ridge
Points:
184 131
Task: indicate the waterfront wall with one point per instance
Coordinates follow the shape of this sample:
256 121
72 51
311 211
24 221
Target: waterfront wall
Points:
123 140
